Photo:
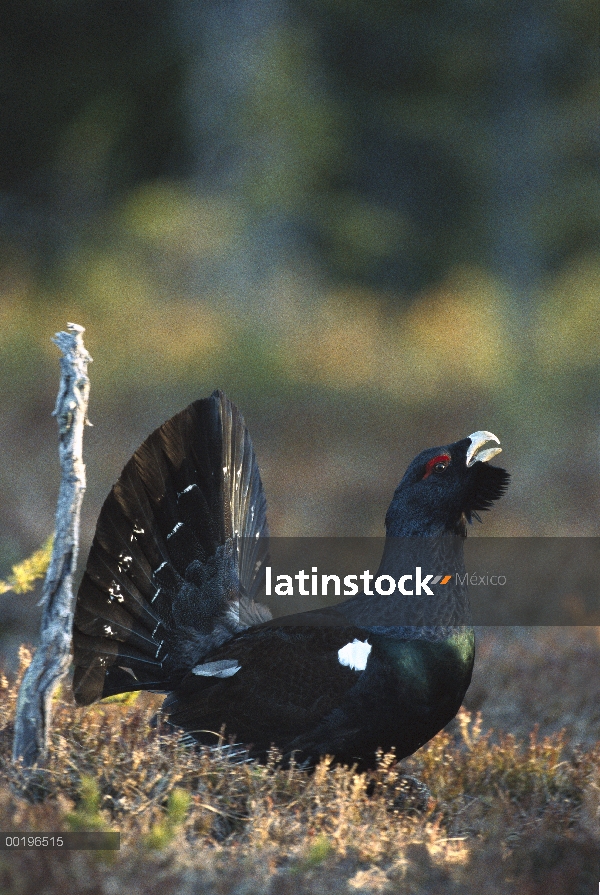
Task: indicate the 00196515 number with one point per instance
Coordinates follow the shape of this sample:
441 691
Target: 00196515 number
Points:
74 840
34 841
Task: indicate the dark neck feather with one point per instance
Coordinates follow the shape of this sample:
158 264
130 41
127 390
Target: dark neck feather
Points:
447 606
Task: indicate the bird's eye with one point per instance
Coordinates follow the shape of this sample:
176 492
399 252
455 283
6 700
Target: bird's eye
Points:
437 464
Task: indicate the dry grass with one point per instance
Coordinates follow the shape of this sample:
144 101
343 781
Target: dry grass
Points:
492 812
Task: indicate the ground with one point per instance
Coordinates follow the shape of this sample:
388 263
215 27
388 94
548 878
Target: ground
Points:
506 799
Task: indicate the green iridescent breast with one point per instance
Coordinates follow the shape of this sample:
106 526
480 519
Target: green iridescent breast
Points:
434 670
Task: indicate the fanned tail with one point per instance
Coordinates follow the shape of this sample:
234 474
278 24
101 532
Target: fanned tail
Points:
178 557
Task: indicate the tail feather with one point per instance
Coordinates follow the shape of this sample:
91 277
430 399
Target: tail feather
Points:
109 668
245 499
115 624
178 557
119 552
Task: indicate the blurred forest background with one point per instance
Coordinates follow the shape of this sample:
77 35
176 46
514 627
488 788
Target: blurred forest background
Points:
374 224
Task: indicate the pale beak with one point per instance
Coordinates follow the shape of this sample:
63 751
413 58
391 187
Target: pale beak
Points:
478 439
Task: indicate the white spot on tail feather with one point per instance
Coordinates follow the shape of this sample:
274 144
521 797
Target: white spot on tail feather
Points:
115 593
177 527
124 561
355 654
129 671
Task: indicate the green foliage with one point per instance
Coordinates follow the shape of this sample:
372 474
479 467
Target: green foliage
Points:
24 575
318 852
287 110
87 815
387 129
165 830
122 698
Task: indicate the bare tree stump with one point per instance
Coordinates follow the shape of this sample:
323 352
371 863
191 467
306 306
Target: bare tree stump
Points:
51 660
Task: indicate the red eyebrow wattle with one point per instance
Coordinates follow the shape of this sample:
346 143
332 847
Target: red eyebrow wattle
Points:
442 458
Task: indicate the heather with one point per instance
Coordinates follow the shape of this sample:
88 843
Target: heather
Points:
478 809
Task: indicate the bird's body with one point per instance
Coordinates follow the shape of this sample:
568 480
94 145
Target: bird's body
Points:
313 705
168 602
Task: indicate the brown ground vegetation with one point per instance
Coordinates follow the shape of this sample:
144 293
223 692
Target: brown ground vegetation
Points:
483 808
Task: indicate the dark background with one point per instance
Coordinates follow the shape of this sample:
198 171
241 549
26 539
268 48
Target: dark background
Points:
373 224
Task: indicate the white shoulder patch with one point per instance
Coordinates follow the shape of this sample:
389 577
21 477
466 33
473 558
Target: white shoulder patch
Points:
220 668
355 654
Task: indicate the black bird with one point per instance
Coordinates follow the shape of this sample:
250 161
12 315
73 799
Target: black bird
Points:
168 601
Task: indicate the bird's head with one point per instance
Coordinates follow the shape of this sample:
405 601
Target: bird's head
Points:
444 487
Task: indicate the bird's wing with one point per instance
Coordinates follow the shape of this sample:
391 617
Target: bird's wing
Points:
283 681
